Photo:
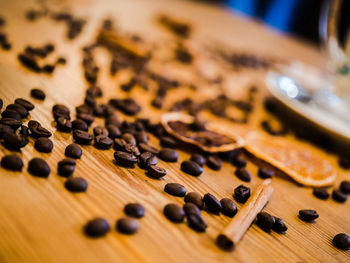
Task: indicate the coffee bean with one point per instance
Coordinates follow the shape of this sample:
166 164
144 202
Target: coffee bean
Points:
168 155
66 167
13 123
12 114
127 225
113 131
239 162
87 118
19 108
345 187
241 193
12 162
99 110
155 171
168 142
59 110
5 129
94 91
265 173
76 184
191 168
279 226
321 193
174 213
146 159
191 208
214 162
73 151
26 104
103 142
64 125
243 174
82 137
265 221
339 196
308 215
194 198
97 227
147 148
43 144
129 138
80 125
196 222
198 158
141 137
13 141
37 130
99 130
24 131
341 241
119 144
175 189
133 149
212 203
134 210
37 94
229 208
128 106
125 159
38 167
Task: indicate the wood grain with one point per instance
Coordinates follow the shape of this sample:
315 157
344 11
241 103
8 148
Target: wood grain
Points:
42 222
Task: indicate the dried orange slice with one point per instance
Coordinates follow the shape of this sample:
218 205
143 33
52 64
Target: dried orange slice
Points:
209 137
302 162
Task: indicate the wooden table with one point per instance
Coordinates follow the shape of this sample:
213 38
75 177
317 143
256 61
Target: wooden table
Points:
42 222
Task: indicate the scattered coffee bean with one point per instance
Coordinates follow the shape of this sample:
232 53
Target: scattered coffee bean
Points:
64 125
191 208
239 162
265 221
168 142
19 108
76 184
5 129
134 210
212 203
341 241
26 104
155 171
97 227
119 144
265 173
198 158
13 141
241 193
37 94
59 110
11 114
113 131
339 196
141 137
99 130
279 226
175 189
82 137
191 168
214 162
43 144
38 167
125 159
103 142
13 123
128 106
37 130
127 225
146 159
87 118
24 131
308 215
168 155
12 162
66 167
174 213
196 222
133 149
73 151
321 193
80 125
129 138
243 174
229 208
147 148
345 187
195 198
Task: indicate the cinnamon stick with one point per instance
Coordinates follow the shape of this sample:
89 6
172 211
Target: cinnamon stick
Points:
235 230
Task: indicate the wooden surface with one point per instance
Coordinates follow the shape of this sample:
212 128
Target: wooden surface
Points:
42 222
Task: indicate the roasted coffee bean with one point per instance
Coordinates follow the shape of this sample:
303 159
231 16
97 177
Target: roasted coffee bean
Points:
265 173
82 137
73 151
279 226
129 138
191 168
113 131
339 196
129 148
146 159
128 106
198 158
76 184
94 91
156 129
59 110
66 167
155 171
80 125
37 130
119 144
229 208
111 120
38 167
14 141
241 194
194 198
83 109
265 221
191 208
87 118
29 61
127 225
103 142
97 227
19 108
341 241
11 114
26 104
64 125
24 131
212 203
168 142
148 148
239 162
12 162
157 102
243 174
141 137
214 162
134 210
168 155
345 187
99 130
43 144
125 159
13 123
174 213
99 110
196 222
175 189
37 94
308 215
321 193
90 100
5 129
